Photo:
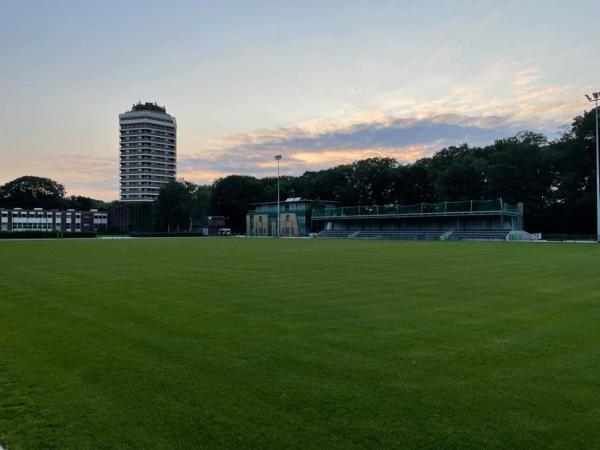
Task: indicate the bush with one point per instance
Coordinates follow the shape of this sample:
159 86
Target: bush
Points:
167 234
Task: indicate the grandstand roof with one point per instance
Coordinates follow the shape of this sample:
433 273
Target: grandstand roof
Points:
463 208
295 200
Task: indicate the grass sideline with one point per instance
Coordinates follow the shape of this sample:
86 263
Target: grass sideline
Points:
191 343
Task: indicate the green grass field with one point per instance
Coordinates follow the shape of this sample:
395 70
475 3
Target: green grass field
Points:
190 343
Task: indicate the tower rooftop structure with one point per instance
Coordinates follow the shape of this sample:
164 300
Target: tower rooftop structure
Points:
149 107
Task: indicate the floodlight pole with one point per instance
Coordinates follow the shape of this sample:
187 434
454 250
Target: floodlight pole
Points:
278 158
597 178
595 99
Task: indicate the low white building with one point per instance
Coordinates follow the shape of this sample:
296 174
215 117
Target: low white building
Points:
38 219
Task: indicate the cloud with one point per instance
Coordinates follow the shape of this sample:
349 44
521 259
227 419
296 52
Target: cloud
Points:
81 174
406 123
311 145
518 90
318 145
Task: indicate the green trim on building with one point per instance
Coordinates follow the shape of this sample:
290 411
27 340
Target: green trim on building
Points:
294 217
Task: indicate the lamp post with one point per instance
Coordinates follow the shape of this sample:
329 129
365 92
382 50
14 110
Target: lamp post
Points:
278 158
595 98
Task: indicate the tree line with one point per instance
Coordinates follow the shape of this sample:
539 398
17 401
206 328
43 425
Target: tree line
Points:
554 179
30 192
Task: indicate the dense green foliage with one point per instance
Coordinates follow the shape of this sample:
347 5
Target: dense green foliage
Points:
47 235
173 205
180 206
232 196
32 192
221 343
36 192
83 203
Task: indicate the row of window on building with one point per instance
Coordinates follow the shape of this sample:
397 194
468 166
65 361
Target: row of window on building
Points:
38 219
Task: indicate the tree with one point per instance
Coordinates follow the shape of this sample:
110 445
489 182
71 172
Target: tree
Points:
329 184
173 208
414 183
572 199
82 203
373 180
462 180
32 192
519 169
289 186
233 195
200 202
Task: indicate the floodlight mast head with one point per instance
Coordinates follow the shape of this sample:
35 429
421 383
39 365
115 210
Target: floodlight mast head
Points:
588 97
596 94
277 157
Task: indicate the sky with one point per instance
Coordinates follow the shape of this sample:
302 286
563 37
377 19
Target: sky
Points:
323 83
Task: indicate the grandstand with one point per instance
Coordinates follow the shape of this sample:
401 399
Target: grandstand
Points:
475 220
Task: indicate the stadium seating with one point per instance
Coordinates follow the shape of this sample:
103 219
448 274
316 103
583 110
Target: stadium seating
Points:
401 234
328 234
470 220
387 234
429 235
478 235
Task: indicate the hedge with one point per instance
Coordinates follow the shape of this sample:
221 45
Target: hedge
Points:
44 235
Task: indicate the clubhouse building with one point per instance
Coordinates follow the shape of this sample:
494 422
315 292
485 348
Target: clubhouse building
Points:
294 217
